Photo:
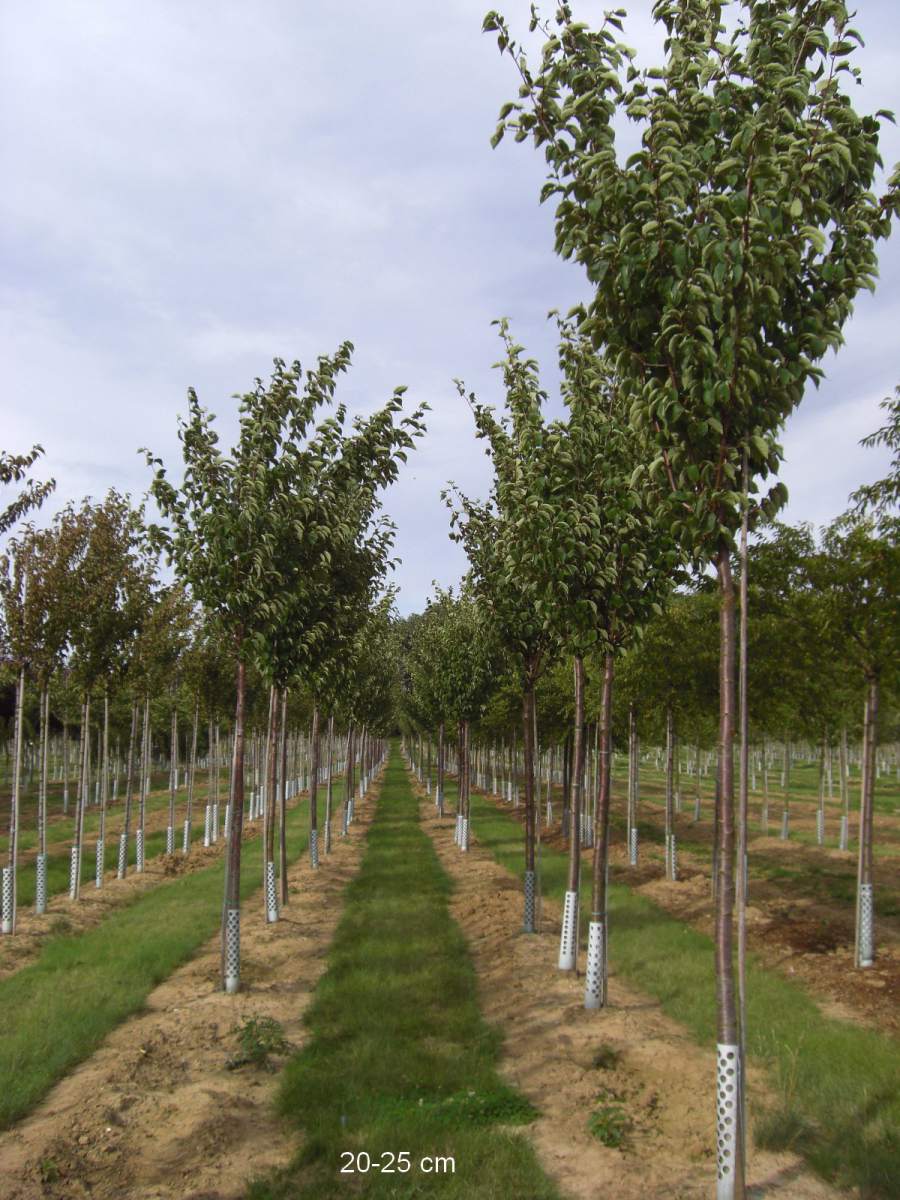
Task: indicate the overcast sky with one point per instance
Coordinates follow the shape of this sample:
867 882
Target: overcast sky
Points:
193 188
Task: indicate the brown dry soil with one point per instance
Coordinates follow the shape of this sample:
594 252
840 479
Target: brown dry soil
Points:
567 1060
156 1113
73 916
808 938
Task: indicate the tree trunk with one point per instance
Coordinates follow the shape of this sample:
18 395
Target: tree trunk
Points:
65 758
528 747
865 904
567 786
173 781
192 771
314 789
568 944
84 743
820 810
329 783
269 886
10 902
282 802
743 813
730 1136
764 815
440 770
348 780
671 851
104 795
595 985
845 791
464 785
146 770
231 917
41 860
129 788
634 764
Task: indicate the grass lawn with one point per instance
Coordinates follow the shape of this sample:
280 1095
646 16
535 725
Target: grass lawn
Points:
400 1061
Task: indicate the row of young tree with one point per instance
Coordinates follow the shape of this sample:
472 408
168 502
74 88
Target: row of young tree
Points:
280 555
723 256
572 574
823 641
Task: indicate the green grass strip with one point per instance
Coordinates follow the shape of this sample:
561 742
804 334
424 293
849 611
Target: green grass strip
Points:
58 865
838 1084
58 1009
61 826
399 1058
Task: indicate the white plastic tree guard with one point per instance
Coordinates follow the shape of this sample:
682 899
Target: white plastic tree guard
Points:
866 949
74 872
40 898
568 938
6 921
271 894
595 978
728 1075
232 950
529 922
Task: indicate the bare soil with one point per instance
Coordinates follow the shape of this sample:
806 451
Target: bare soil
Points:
156 1113
569 1062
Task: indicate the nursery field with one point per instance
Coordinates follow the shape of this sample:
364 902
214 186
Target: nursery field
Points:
410 791
827 1055
397 1034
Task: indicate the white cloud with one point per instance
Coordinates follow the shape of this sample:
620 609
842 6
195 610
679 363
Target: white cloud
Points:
193 189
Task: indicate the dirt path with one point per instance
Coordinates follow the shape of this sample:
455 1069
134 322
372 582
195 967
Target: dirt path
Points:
651 1067
156 1114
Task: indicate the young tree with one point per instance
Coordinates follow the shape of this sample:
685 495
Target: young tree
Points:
725 255
112 581
13 468
455 638
857 574
35 577
587 562
229 523
507 544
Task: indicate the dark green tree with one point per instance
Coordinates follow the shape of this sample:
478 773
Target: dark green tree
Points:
724 254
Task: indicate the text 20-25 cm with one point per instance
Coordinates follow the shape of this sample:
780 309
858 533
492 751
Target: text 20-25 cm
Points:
400 1163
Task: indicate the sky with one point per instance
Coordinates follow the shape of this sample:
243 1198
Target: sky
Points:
193 189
